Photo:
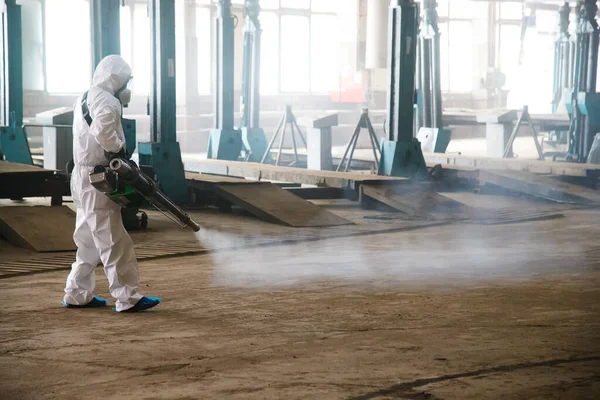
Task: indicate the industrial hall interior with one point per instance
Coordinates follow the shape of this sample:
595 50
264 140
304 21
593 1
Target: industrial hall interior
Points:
299 199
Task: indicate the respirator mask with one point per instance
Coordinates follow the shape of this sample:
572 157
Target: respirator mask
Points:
124 93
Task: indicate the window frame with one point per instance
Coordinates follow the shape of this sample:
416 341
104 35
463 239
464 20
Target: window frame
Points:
447 21
307 12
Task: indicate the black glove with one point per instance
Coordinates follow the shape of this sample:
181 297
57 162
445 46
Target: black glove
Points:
121 154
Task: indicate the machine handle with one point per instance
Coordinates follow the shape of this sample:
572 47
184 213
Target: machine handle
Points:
147 187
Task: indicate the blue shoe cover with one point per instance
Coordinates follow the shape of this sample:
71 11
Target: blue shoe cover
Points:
95 303
144 303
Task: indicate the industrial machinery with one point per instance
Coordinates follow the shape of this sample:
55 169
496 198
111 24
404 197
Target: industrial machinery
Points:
106 40
163 154
127 185
431 134
225 142
401 153
14 146
585 101
161 158
253 137
564 71
564 59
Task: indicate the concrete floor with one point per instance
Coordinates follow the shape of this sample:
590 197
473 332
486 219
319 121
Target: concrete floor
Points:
448 312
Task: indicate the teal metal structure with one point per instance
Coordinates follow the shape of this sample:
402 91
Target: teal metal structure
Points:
106 33
106 40
253 136
429 85
225 142
585 101
163 153
563 73
564 58
13 136
401 153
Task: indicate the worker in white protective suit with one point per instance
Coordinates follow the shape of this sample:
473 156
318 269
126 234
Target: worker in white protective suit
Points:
99 232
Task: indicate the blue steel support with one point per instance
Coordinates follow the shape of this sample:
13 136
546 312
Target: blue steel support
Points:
13 138
253 136
429 82
401 153
563 58
106 40
586 67
225 142
106 34
163 153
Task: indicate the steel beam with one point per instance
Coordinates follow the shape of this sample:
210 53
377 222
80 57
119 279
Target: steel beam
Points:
402 48
224 90
586 65
13 138
225 142
250 103
401 154
431 134
106 32
163 153
253 136
163 101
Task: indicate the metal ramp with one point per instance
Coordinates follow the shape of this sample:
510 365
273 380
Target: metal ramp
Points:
267 201
418 201
414 202
38 228
543 186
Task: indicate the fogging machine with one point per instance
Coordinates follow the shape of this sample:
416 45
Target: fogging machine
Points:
127 185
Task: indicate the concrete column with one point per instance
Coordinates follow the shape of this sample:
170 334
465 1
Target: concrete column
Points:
376 34
318 133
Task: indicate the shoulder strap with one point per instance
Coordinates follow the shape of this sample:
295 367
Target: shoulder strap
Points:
84 109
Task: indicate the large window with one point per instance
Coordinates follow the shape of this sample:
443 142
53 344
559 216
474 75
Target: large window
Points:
126 34
68 46
33 45
456 45
269 60
295 53
142 61
508 39
203 30
301 45
305 4
323 57
330 6
136 45
528 64
269 4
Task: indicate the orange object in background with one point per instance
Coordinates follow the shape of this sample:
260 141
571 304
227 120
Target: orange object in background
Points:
350 88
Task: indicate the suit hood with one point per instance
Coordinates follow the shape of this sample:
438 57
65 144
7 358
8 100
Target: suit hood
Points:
111 73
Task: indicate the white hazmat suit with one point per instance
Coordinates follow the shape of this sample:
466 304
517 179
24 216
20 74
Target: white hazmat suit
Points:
99 232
